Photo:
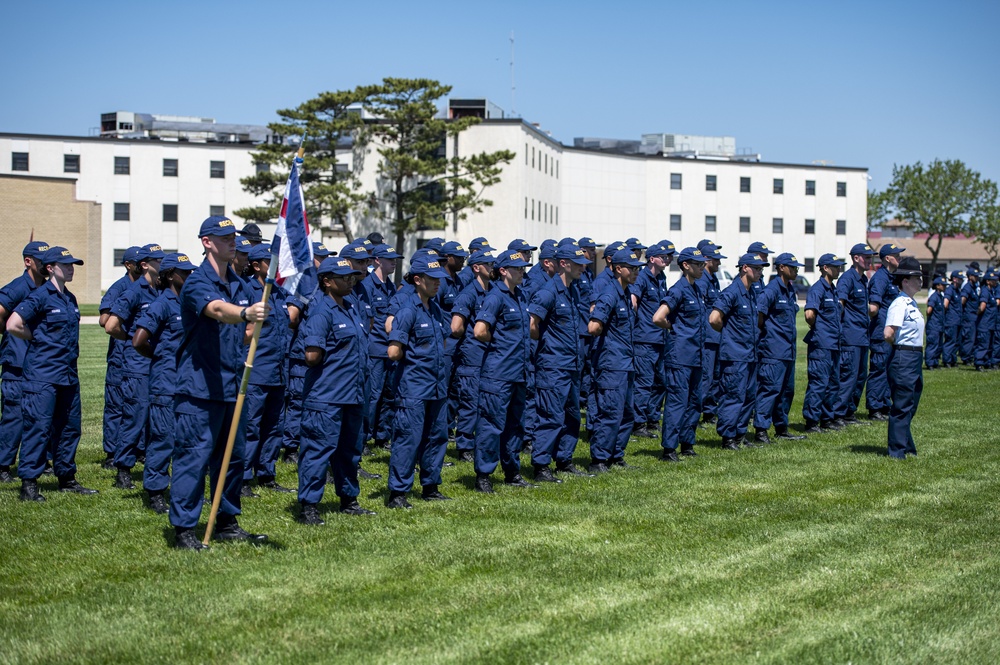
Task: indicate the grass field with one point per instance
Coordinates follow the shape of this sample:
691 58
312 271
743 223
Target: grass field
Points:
818 551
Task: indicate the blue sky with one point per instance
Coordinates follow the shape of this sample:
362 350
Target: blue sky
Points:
851 83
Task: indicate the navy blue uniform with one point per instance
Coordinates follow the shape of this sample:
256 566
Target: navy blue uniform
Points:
504 381
296 377
881 292
535 279
378 416
710 289
446 296
12 350
162 320
985 325
649 291
113 376
737 359
776 370
935 329
469 358
209 365
50 400
953 314
852 290
333 396
612 358
683 363
823 344
558 367
970 297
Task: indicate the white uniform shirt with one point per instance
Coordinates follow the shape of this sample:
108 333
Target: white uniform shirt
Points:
905 315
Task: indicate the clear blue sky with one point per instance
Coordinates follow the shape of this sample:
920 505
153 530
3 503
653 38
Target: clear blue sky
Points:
853 83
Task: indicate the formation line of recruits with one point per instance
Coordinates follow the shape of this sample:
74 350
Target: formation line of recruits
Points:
474 344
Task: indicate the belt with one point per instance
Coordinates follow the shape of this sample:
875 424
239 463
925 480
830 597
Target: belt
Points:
906 347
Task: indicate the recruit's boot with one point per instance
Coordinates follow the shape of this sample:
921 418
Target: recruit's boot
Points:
70 484
309 514
812 427
350 506
291 455
185 539
123 480
29 491
431 493
729 443
229 529
517 481
5 474
247 492
783 433
398 500
466 456
687 449
483 483
570 468
543 474
273 485
597 467
761 437
367 475
157 503
108 462
670 455
620 464
830 426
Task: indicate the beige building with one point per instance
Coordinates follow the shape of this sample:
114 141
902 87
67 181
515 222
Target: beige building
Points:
48 209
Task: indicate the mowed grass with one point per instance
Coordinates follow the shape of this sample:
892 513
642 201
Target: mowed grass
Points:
818 551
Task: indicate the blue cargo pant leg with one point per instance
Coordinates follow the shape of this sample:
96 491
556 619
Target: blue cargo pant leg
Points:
376 372
821 387
710 379
551 388
11 422
271 431
67 428
530 420
511 438
293 413
683 386
734 382
467 408
770 379
156 470
877 389
613 412
134 416
200 436
38 402
319 438
969 340
434 443
410 426
906 381
256 396
628 419
784 406
933 348
494 398
346 458
569 436
984 338
852 376
112 407
645 379
949 344
995 353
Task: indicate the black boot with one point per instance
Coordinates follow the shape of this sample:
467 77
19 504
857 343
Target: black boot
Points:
5 475
273 485
158 504
291 455
184 539
761 437
70 484
570 468
730 443
812 427
108 462
543 474
465 456
309 514
247 492
745 441
431 493
229 529
367 475
783 433
123 480
597 467
670 455
517 481
483 483
687 449
29 491
350 506
398 500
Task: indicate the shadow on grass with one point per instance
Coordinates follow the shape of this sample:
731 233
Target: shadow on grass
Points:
863 449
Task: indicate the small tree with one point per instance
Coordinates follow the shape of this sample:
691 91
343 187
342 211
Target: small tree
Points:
332 191
879 207
938 200
420 186
985 223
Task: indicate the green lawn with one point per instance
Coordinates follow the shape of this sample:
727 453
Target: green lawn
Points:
818 551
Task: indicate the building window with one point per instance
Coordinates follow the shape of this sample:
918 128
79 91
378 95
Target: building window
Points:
810 226
216 211
532 156
675 222
810 188
810 265
170 168
777 225
557 169
545 212
122 212
525 154
262 167
532 205
217 170
18 161
779 185
675 181
710 183
745 185
841 189
545 160
169 212
122 166
710 223
119 256
71 163
526 204
744 225
557 215
841 227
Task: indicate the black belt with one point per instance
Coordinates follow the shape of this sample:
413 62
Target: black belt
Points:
906 347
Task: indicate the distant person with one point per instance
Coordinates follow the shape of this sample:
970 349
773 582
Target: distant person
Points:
823 343
935 324
881 292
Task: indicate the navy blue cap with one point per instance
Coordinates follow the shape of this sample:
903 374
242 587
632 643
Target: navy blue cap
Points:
831 260
957 274
690 254
243 245
132 254
657 249
634 244
972 272
425 251
759 248
991 274
886 250
567 241
176 261
668 245
480 243
587 242
453 248
368 245
428 265
510 258
437 244
376 238
547 252
354 250
519 245
320 250
862 248
252 232
711 251
752 260
59 255
151 251
337 266
384 251
482 256
706 241
611 248
788 259
217 225
35 249
625 256
260 252
939 280
571 252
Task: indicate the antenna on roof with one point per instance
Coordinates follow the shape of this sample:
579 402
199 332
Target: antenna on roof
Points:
513 113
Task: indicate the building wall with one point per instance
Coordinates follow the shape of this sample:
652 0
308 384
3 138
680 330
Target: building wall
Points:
49 209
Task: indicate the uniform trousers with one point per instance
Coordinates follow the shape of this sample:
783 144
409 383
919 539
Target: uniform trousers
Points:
984 342
132 431
530 422
853 376
682 407
51 427
820 404
420 431
934 346
265 429
775 391
498 432
200 434
614 414
159 450
995 353
968 344
906 382
877 396
557 393
331 438
710 379
112 407
738 389
11 422
467 407
649 372
293 413
952 336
